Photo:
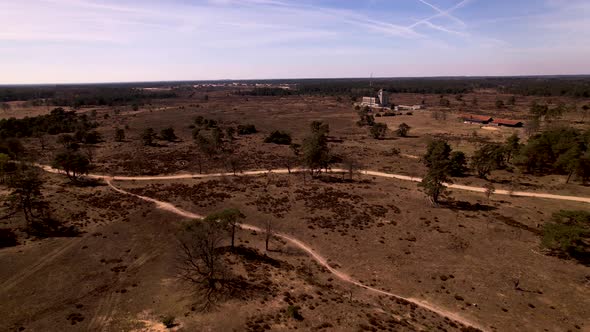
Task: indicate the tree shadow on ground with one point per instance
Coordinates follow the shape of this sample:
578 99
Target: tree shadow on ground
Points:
89 182
466 206
50 227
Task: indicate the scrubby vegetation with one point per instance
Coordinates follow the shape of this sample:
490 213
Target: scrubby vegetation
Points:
557 151
568 235
247 129
278 137
57 122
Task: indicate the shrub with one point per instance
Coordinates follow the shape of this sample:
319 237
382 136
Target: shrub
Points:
168 321
403 130
278 137
378 130
247 129
92 137
168 134
392 152
293 312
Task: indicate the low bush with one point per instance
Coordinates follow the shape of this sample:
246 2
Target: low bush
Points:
247 129
278 137
168 321
293 312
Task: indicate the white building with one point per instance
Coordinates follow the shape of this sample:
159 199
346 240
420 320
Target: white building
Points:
382 100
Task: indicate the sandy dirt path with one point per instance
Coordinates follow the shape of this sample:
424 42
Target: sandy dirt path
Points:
313 254
364 172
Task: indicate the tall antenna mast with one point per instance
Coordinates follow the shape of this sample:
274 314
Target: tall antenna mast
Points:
371 81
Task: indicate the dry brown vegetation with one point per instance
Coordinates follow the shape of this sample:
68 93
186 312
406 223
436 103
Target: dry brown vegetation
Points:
477 257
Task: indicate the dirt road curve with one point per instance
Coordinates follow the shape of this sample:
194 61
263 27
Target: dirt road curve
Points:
372 173
317 257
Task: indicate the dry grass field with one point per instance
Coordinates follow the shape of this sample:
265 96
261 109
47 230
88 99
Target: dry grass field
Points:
473 257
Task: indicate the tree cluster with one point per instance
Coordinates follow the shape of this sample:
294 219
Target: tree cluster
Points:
57 122
557 151
568 235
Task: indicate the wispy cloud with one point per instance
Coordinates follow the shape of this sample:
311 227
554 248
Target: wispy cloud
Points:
266 38
442 13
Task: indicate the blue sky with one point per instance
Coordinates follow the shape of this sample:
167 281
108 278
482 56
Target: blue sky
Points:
64 41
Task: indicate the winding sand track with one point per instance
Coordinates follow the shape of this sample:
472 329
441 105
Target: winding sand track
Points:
317 257
371 173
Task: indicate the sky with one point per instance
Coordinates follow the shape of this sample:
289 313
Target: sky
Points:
86 41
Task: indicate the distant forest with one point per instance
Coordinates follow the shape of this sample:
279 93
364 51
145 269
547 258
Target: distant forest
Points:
78 96
130 93
528 86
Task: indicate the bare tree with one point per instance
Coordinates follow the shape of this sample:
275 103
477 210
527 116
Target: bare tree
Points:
42 140
290 162
201 262
89 152
351 165
268 233
490 189
199 157
26 192
227 219
233 163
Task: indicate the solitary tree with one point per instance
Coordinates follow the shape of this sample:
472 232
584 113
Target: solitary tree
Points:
433 182
403 130
234 163
351 166
365 119
148 137
205 145
378 130
200 261
295 148
268 234
490 189
437 150
119 135
73 163
228 219
316 153
488 158
437 161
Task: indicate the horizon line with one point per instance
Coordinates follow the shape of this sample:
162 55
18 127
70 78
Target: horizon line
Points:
4 85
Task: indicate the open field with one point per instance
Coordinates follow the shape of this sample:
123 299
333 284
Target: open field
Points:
471 259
